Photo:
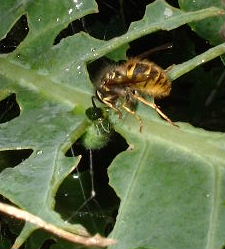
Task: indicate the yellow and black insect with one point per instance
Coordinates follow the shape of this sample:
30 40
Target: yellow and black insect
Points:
129 82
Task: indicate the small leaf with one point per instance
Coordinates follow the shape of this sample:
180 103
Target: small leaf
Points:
211 29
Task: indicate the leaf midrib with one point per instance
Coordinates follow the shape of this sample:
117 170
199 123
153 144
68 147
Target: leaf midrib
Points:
31 80
132 182
205 145
213 218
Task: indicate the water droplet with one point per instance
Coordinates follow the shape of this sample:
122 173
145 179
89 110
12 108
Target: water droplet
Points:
70 11
39 19
93 51
75 176
39 152
78 68
67 69
168 12
59 172
203 61
18 56
57 19
78 4
93 193
66 194
207 195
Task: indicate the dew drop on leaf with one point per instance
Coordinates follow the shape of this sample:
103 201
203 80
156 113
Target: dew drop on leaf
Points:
78 68
78 4
168 12
70 11
75 176
93 51
39 152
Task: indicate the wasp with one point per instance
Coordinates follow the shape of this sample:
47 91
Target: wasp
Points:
123 85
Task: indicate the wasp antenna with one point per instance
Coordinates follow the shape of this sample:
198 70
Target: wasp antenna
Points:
93 102
165 46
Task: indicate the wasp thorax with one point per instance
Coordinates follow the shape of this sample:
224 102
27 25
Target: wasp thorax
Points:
113 77
107 77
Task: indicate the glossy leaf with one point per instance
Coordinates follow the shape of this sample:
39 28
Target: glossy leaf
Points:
53 89
173 193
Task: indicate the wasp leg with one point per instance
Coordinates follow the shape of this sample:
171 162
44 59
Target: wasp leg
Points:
135 115
111 105
154 106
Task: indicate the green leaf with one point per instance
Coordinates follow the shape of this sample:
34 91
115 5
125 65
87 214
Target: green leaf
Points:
171 188
32 185
211 29
46 20
53 90
178 70
119 54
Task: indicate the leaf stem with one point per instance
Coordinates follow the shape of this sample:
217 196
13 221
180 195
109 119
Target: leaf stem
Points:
31 80
138 29
177 70
96 240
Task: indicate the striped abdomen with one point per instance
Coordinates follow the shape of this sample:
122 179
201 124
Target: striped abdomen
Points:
147 77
